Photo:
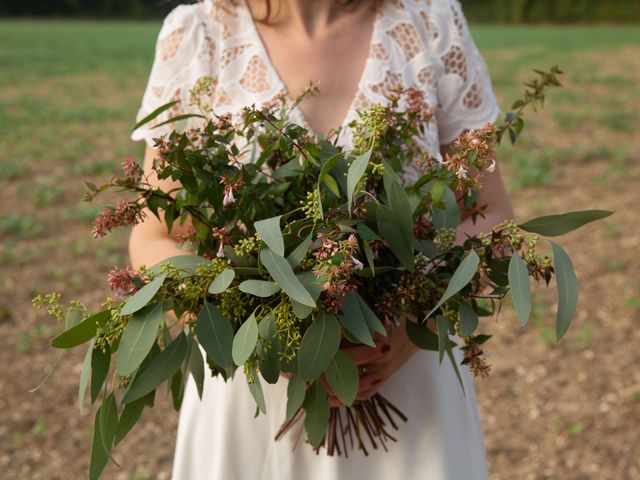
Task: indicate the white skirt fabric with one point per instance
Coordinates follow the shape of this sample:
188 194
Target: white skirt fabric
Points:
219 438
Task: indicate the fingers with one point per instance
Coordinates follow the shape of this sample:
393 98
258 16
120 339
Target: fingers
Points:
367 386
363 354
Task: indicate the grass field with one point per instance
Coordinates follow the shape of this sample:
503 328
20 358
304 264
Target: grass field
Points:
68 96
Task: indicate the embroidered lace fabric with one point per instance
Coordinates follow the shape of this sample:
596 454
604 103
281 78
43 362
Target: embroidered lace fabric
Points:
421 43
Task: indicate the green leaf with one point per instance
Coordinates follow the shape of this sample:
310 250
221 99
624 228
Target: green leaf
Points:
85 374
215 334
138 337
437 191
255 388
468 319
160 369
282 273
460 278
366 233
177 389
422 336
354 174
443 324
259 288
401 219
143 296
318 346
73 317
222 281
270 233
331 184
449 215
82 332
455 365
567 288
100 362
354 318
312 285
520 288
342 375
196 366
244 342
399 242
270 349
300 251
187 264
295 395
316 420
106 422
555 225
129 417
368 252
155 113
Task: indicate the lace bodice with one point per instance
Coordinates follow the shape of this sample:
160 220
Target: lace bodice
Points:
420 43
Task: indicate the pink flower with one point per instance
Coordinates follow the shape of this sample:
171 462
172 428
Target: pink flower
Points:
131 169
124 214
122 281
357 264
228 197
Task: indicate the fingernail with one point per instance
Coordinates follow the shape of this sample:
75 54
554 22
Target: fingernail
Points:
376 382
385 348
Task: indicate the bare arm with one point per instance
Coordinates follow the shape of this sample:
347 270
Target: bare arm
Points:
150 242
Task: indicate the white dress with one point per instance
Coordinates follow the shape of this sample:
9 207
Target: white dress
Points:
421 43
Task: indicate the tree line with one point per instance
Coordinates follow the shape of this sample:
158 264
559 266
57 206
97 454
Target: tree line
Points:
489 11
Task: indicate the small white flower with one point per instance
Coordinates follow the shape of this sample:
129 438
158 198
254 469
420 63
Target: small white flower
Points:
228 198
358 265
491 167
461 172
220 253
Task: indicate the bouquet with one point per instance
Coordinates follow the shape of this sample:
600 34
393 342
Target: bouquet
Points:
297 246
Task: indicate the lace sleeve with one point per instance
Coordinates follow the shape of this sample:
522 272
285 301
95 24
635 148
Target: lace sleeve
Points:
185 51
466 98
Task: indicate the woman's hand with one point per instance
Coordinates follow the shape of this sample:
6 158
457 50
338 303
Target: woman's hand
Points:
377 364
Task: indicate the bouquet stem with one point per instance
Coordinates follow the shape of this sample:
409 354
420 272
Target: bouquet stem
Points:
369 421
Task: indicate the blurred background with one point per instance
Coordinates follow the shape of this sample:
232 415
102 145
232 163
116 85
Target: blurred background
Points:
72 74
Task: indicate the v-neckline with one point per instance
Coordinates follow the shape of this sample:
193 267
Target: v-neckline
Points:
282 87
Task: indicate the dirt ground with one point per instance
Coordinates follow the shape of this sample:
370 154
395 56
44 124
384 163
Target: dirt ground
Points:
567 411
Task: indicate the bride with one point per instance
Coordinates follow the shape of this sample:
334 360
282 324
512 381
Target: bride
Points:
357 52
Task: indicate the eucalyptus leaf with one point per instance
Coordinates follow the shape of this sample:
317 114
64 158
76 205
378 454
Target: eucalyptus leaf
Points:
155 113
468 319
354 320
401 219
187 264
447 216
520 288
316 420
215 334
421 336
460 278
85 375
129 417
354 174
196 366
255 388
138 337
106 421
244 342
282 273
295 395
399 242
222 281
454 364
142 297
342 375
270 233
100 362
259 288
555 225
81 332
567 289
160 369
318 346
300 251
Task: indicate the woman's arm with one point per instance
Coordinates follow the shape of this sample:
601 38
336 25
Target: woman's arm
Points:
150 241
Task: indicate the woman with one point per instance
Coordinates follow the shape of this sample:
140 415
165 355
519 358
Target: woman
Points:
356 53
